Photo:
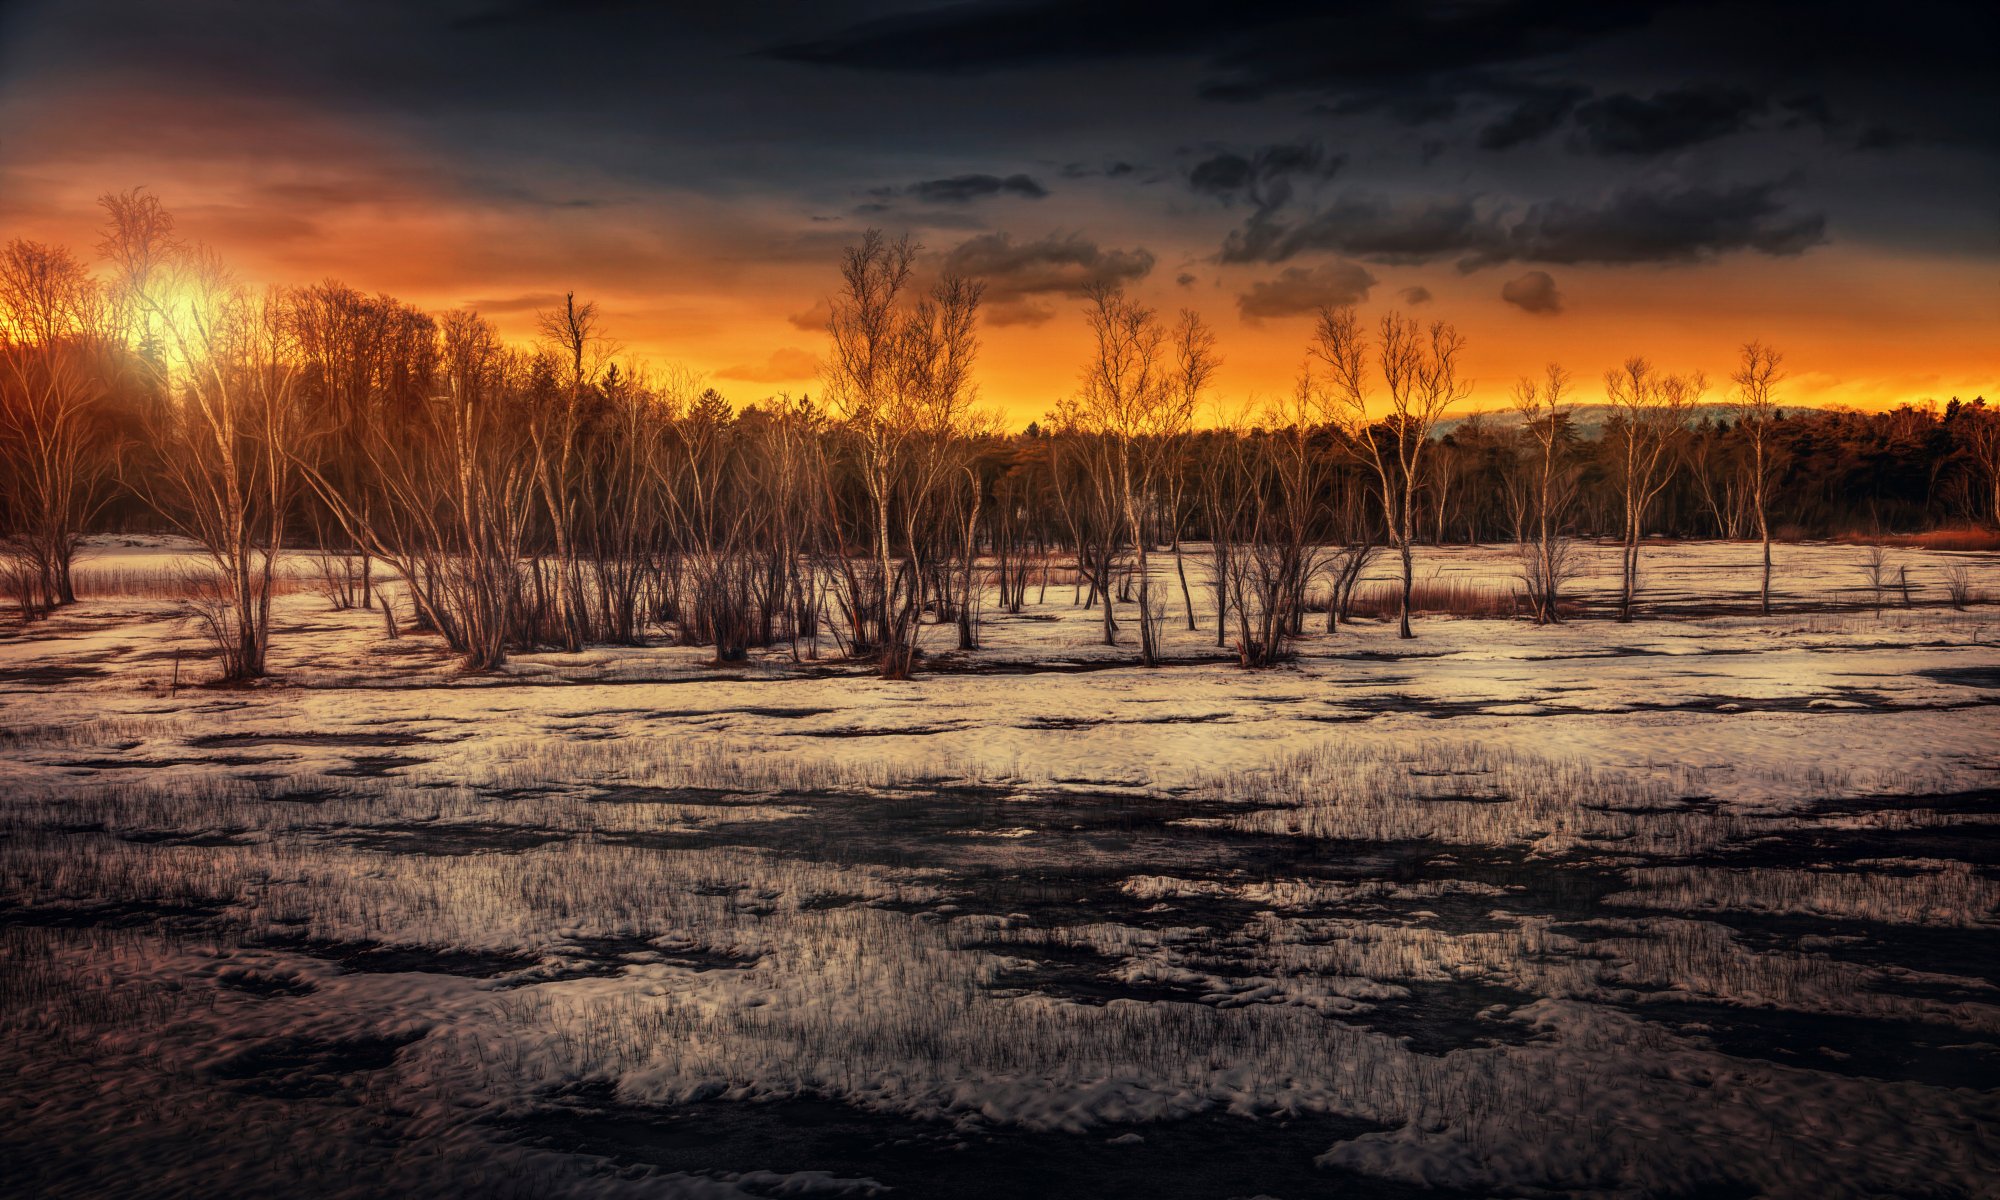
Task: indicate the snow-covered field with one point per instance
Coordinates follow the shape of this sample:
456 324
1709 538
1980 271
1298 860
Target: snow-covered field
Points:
1696 905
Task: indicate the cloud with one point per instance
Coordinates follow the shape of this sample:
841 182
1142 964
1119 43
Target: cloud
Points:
786 365
1663 122
988 34
1111 169
1415 295
1185 279
1299 290
1531 118
962 189
1375 52
1534 292
1364 227
1411 104
1263 175
1656 225
499 305
1638 225
814 319
1223 175
1020 276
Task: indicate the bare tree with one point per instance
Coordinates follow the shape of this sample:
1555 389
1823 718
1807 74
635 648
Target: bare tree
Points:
865 324
139 243
1139 394
453 485
1195 364
1280 556
1353 532
1984 443
54 458
1756 378
1224 484
1546 415
46 296
574 338
1124 386
1649 420
1087 498
901 379
1875 569
1420 373
229 434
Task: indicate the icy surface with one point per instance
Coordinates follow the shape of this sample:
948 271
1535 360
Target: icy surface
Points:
1701 904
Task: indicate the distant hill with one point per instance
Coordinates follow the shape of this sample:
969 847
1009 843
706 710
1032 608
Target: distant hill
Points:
1589 419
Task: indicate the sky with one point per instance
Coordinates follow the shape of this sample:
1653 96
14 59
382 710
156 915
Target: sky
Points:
1563 180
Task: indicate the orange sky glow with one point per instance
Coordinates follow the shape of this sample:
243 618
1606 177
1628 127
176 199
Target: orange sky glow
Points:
734 286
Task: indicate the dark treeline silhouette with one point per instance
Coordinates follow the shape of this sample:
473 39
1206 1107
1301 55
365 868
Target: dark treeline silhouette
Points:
554 495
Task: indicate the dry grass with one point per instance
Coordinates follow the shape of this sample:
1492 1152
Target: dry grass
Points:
1972 538
1452 599
151 583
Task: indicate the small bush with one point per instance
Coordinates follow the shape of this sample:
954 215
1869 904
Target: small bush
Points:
1958 586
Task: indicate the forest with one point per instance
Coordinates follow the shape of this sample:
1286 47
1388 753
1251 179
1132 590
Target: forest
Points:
555 494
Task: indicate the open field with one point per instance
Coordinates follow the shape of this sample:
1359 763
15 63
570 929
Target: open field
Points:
1703 904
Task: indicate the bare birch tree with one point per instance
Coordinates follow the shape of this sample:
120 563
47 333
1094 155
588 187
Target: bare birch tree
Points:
1757 376
1195 364
1543 410
1649 420
1984 443
229 435
575 340
54 458
1420 374
1138 394
901 379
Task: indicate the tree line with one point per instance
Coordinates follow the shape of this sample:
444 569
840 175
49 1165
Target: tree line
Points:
556 495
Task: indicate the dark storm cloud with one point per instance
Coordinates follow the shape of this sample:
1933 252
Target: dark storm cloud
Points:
761 114
1114 169
1299 290
1533 117
1021 277
1415 295
1534 292
1637 225
1663 122
1365 227
991 34
1223 175
1923 63
1262 176
1253 50
1881 137
1643 225
962 189
1415 104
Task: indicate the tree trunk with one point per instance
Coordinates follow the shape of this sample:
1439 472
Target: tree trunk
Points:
1187 597
1409 567
966 640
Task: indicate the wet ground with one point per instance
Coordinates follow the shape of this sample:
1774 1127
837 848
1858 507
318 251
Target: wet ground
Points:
1104 900
1675 909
